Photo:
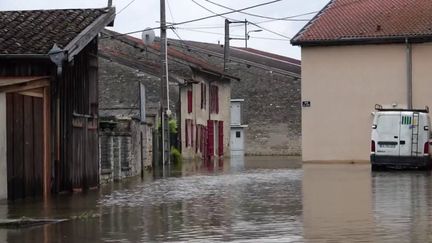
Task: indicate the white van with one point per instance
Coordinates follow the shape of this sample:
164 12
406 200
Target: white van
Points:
400 139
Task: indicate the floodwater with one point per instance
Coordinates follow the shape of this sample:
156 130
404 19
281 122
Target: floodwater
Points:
257 199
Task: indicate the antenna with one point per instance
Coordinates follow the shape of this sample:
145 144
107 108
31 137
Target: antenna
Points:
148 36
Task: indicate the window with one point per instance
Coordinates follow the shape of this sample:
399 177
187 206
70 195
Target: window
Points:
214 99
238 134
203 96
189 133
142 103
189 100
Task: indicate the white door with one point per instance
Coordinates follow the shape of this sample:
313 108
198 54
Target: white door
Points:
237 139
235 113
388 126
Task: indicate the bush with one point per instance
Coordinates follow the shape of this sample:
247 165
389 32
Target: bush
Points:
172 123
175 156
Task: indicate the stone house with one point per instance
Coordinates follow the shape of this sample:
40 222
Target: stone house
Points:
353 57
199 93
270 86
48 100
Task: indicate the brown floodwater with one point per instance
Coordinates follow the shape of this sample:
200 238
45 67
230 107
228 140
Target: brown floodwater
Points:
252 199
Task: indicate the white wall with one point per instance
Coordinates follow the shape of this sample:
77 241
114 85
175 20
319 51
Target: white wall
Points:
3 143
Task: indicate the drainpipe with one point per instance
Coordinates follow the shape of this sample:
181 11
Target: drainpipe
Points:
409 73
58 57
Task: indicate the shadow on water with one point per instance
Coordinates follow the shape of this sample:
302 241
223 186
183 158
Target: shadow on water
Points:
252 199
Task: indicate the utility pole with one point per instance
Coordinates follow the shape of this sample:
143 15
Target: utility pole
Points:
227 39
164 95
227 43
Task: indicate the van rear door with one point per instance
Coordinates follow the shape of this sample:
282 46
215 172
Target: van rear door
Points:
388 129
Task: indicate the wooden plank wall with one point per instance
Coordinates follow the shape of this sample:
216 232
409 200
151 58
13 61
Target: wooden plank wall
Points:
25 146
79 109
76 161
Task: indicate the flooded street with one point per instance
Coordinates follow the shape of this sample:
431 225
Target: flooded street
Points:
258 199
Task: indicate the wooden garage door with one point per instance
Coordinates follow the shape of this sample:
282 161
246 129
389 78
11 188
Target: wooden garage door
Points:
25 145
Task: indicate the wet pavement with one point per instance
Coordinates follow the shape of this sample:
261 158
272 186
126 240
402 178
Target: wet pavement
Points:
252 199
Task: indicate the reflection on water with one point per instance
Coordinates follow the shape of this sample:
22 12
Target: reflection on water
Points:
246 200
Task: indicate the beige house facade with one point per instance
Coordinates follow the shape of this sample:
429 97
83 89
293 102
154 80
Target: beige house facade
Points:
343 83
205 117
346 71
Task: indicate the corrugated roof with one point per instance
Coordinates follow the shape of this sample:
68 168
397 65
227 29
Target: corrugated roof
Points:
373 21
35 31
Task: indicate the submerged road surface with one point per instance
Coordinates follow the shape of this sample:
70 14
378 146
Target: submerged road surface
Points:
258 199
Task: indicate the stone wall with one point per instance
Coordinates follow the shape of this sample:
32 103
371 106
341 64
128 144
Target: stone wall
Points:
125 149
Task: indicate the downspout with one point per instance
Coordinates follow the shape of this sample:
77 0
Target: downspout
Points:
58 56
409 73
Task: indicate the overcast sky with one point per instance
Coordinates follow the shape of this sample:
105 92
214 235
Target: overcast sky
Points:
145 13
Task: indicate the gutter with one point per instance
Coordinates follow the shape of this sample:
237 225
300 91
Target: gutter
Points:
363 41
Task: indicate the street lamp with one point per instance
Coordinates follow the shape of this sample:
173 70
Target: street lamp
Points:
248 36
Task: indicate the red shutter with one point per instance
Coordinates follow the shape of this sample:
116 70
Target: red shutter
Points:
186 133
210 138
205 97
202 95
204 142
211 99
189 94
196 138
217 99
192 133
221 137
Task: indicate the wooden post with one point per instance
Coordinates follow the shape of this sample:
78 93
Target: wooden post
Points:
46 141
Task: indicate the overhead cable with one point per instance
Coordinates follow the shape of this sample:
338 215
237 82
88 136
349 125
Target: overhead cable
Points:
203 18
254 15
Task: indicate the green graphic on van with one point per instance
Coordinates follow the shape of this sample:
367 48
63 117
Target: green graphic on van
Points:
406 120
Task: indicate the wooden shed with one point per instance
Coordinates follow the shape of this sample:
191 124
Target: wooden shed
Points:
49 111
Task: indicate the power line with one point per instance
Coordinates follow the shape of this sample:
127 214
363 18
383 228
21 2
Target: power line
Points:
239 10
169 9
271 31
125 7
204 18
198 50
184 45
251 14
209 10
215 33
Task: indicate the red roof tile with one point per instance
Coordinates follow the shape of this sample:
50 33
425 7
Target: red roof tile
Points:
35 31
372 21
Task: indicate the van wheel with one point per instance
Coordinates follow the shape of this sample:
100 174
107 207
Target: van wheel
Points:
376 167
427 167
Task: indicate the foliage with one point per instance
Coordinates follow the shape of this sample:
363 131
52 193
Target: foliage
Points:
172 126
176 156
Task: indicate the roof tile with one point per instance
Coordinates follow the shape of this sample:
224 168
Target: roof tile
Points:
368 19
35 31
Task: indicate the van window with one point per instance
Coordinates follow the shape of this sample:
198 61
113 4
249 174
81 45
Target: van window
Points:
388 124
